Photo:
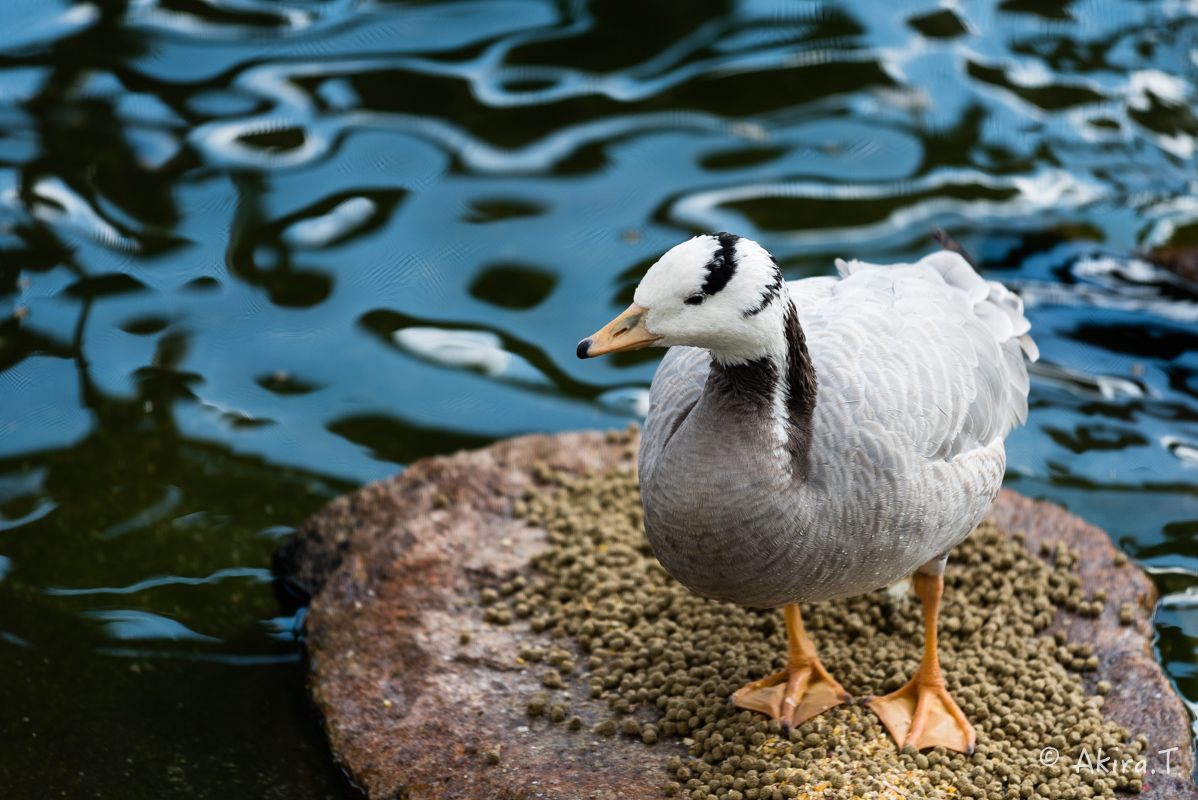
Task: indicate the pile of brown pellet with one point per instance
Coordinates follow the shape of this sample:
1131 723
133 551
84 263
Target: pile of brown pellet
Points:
609 611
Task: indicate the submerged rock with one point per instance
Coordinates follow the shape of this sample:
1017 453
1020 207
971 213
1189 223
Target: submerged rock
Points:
492 624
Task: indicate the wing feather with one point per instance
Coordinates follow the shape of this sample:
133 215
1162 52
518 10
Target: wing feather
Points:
931 350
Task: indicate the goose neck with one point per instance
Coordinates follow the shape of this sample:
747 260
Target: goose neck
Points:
777 390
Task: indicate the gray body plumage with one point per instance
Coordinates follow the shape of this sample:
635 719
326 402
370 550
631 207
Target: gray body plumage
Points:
921 375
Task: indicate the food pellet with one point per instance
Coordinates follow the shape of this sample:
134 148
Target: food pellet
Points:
604 612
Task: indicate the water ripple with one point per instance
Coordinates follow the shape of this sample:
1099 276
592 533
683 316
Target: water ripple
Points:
147 517
256 252
1050 189
127 623
230 659
258 576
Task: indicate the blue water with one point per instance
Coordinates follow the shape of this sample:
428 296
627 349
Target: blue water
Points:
255 253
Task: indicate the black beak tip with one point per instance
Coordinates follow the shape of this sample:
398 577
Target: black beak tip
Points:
583 347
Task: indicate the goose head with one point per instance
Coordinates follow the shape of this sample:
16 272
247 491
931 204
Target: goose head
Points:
716 291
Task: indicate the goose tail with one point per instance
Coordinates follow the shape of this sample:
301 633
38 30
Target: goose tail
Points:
1002 312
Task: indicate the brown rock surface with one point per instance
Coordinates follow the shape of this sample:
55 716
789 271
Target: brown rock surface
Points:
411 710
408 707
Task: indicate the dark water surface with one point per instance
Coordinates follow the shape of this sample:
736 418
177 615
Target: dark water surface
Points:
254 253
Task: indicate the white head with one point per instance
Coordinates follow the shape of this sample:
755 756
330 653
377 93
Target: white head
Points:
716 291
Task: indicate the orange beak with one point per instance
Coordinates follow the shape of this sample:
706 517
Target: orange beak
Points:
625 332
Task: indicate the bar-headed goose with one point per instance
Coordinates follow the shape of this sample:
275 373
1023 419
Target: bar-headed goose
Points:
821 439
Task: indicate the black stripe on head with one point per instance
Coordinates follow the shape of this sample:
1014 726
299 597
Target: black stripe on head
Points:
722 265
769 292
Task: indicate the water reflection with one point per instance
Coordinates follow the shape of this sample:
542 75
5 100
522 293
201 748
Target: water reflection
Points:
254 253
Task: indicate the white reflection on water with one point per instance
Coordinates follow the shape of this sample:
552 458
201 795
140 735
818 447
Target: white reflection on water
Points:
480 351
58 204
344 219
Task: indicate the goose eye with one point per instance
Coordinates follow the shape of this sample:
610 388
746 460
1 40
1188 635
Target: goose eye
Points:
694 300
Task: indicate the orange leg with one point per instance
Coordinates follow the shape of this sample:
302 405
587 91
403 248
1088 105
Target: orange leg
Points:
800 691
922 713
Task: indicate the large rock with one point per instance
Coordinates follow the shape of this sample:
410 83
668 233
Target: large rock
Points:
411 707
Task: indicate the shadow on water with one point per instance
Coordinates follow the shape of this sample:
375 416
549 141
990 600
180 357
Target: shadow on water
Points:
255 254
